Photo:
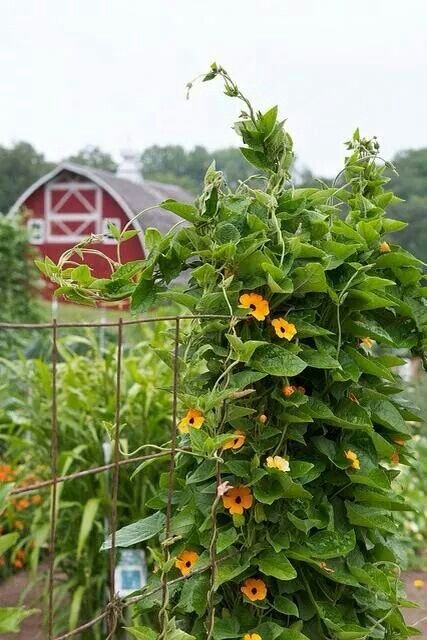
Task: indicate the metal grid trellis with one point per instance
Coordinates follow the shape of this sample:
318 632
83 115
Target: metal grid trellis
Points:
115 605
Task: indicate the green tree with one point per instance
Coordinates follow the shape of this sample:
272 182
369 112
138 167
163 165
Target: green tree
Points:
93 156
410 184
20 166
174 164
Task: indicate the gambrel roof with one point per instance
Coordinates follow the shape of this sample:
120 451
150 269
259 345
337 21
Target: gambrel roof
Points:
132 197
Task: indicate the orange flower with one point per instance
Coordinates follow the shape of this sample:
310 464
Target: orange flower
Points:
284 329
367 342
352 397
252 636
277 462
2 562
395 458
418 583
18 524
384 247
22 504
18 564
288 390
350 455
237 499
237 442
193 418
262 418
257 305
6 473
185 561
36 499
254 589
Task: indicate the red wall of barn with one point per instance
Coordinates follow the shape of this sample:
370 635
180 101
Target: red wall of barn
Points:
130 250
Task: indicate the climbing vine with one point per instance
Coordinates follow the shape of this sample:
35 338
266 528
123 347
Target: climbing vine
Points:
290 423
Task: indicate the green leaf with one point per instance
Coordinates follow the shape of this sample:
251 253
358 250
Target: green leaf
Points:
319 359
182 209
11 618
243 350
310 278
229 569
226 537
275 564
276 361
75 606
226 628
370 517
138 531
185 299
383 411
143 296
286 606
194 594
369 364
82 275
142 633
331 544
88 519
6 541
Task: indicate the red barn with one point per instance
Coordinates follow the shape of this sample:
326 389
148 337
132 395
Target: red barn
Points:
73 201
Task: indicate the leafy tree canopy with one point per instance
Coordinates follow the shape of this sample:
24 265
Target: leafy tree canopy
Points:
93 156
20 166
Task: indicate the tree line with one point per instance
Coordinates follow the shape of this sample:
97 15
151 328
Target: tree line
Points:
21 164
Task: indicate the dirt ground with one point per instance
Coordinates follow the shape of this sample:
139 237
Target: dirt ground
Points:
11 590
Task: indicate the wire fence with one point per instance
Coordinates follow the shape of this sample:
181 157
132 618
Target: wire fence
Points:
113 610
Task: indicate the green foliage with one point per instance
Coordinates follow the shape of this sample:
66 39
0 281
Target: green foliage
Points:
86 410
93 156
20 166
19 280
301 282
175 165
410 184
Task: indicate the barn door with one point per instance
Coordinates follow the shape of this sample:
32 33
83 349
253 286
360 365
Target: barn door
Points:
73 211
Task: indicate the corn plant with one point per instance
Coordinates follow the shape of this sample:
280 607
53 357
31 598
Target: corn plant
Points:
86 409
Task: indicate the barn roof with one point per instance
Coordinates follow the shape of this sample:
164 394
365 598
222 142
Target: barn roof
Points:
131 196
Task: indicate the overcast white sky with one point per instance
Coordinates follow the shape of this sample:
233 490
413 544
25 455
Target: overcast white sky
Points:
113 72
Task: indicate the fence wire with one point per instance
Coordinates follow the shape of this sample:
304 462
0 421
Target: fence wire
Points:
112 612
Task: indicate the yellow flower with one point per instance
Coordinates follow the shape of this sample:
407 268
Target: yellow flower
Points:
384 247
237 499
185 561
237 442
277 462
262 418
252 636
350 455
367 342
418 583
257 305
194 418
254 589
288 390
284 329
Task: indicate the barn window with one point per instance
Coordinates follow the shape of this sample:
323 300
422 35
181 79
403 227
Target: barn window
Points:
108 238
73 211
35 228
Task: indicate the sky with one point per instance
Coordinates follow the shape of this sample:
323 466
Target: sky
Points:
113 72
